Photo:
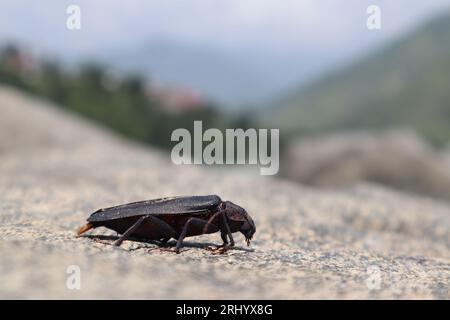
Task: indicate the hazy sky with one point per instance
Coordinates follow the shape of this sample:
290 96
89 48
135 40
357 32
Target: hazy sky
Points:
298 39
272 25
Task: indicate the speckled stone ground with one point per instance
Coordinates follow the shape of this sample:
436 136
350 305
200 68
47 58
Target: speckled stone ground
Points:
363 242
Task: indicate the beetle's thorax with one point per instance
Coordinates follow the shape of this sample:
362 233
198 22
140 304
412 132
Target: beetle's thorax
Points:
233 211
233 215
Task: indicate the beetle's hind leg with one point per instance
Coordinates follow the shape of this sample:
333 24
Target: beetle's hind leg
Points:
162 226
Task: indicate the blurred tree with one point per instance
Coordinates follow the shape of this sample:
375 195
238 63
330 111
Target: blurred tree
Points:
124 105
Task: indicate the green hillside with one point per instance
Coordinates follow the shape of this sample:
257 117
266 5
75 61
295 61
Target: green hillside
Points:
125 105
405 84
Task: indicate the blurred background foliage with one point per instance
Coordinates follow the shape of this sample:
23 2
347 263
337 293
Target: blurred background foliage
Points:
125 103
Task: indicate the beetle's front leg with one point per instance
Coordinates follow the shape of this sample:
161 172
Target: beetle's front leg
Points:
225 231
223 235
223 247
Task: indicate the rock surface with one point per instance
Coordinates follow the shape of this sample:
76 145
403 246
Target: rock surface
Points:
398 158
55 169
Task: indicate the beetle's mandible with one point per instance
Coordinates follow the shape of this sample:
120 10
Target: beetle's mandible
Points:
175 217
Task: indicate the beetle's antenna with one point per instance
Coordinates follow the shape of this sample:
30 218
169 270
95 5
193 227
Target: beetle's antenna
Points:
84 228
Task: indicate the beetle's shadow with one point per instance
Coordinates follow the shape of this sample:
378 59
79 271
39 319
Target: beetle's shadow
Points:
109 239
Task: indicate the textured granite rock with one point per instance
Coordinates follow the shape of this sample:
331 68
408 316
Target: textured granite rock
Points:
398 158
55 169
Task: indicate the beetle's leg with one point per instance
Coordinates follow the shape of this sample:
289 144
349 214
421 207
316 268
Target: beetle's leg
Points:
210 221
227 229
224 232
223 235
163 226
194 224
130 230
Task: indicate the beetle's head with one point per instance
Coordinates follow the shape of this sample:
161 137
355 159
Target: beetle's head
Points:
248 229
239 214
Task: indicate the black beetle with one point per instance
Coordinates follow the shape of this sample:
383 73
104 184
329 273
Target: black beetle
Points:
175 217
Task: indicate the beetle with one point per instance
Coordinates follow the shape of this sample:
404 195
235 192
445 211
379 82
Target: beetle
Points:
175 217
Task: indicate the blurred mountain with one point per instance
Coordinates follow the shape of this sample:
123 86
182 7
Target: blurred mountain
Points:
220 77
405 84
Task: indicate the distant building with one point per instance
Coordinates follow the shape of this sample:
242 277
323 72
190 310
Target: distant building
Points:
175 99
18 61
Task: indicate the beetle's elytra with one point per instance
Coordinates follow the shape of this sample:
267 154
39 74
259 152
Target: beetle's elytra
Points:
175 217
